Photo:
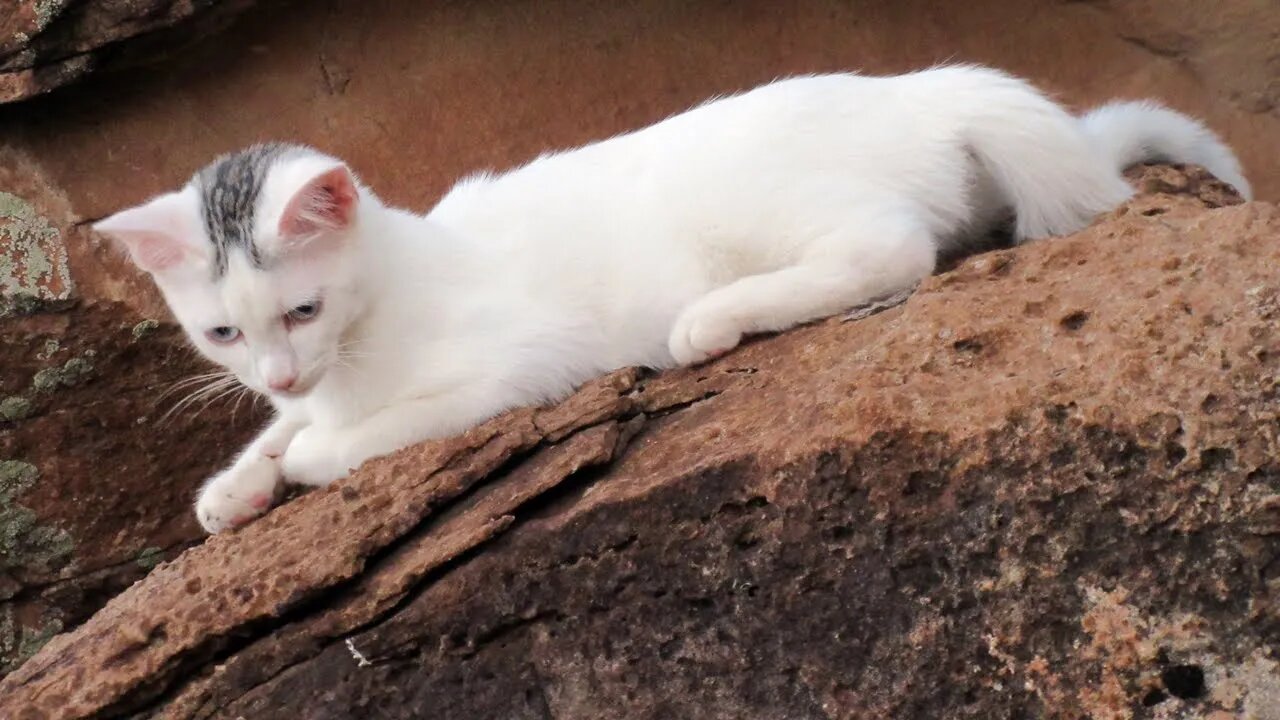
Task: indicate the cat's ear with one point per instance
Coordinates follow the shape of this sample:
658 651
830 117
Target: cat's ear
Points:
325 203
159 234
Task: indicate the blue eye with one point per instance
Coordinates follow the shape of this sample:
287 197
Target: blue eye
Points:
305 311
223 334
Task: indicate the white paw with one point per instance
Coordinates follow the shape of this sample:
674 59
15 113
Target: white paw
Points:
702 333
315 456
239 494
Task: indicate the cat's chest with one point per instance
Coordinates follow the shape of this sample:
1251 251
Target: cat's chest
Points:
338 402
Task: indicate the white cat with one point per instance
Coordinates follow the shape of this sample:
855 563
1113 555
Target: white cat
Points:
371 328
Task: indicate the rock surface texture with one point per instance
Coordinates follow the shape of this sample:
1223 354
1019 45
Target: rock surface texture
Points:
95 488
96 477
1045 486
45 44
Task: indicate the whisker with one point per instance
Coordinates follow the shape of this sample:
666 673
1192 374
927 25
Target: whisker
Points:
213 400
198 394
201 392
196 379
188 381
244 391
344 364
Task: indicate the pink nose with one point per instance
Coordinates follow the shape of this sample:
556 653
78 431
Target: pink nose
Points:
282 382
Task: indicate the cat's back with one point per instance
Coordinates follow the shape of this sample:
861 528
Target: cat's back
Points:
804 117
736 164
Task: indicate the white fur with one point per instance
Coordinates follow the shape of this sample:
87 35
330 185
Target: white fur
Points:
1142 131
660 247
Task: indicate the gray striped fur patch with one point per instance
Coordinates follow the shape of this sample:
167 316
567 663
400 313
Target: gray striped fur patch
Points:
229 189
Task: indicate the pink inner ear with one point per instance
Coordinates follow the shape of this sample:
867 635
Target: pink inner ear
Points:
155 233
154 251
326 202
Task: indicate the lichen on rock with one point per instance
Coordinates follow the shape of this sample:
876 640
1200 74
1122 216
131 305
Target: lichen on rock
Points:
18 642
26 642
33 261
71 373
144 328
14 408
15 478
149 557
24 541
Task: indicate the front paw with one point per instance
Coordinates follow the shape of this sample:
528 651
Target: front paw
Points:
238 495
703 332
315 456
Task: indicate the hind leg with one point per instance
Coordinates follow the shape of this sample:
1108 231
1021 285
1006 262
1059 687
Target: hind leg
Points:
839 271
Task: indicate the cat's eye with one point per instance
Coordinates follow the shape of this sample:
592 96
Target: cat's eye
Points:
223 334
304 312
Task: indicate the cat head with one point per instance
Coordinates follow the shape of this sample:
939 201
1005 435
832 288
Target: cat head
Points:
258 258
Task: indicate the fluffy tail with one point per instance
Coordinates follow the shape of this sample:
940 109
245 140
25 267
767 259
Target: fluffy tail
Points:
1040 160
1132 132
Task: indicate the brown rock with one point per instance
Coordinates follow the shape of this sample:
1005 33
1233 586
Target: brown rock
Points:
1043 487
45 44
417 94
450 88
96 480
445 89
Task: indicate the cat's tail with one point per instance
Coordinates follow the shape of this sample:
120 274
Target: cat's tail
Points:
1042 163
1144 131
1057 171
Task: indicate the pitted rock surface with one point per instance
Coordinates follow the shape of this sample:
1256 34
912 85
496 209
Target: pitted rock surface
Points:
1044 486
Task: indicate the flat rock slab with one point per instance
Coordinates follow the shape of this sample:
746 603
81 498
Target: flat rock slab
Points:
1044 486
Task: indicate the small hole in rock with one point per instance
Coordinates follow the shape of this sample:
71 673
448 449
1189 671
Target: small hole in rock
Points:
746 540
702 603
1184 681
968 345
1062 457
1057 413
1217 459
1271 571
1155 697
1152 212
1075 320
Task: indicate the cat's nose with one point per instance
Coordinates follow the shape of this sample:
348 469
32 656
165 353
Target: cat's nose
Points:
283 381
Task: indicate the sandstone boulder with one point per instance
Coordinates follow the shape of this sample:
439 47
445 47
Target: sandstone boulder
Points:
94 489
1045 486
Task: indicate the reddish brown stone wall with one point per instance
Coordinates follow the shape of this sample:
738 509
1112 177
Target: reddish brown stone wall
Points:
416 94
